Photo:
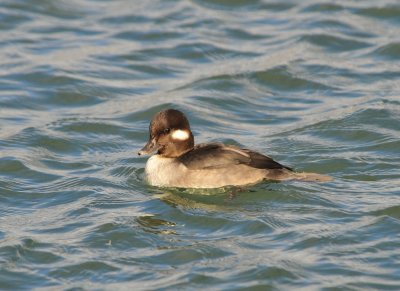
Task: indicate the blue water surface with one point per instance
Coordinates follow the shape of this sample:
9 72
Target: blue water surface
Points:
314 84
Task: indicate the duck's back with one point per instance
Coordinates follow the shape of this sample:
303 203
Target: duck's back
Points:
217 155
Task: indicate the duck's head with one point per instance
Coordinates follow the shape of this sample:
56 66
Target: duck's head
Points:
170 134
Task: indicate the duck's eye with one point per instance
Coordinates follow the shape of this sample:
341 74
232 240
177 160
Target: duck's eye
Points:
167 130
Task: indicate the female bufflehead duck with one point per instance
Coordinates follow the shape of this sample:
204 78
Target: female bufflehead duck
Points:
179 163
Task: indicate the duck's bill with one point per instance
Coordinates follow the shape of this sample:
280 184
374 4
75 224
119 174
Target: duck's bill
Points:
149 148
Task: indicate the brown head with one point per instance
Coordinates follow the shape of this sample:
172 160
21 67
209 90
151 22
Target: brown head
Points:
170 134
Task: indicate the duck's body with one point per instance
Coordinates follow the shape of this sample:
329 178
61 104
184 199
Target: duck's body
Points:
179 163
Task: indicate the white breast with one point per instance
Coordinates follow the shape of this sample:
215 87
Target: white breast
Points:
163 171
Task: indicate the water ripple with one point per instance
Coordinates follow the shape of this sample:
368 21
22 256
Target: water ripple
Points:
313 84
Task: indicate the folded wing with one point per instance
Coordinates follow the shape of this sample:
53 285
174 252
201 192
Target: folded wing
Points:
216 155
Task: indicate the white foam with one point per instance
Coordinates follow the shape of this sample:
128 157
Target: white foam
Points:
180 134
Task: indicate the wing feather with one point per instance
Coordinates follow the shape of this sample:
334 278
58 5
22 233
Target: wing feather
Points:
217 155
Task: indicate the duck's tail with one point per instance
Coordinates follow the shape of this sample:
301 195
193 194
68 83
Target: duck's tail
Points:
286 175
311 177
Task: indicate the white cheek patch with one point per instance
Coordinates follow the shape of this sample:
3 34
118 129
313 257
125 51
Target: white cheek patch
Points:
180 134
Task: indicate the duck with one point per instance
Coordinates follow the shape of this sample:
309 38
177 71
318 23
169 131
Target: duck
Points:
177 162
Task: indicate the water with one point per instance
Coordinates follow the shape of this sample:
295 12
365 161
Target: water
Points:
315 84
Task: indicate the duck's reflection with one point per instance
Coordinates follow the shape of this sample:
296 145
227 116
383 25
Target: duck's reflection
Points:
220 199
212 200
150 223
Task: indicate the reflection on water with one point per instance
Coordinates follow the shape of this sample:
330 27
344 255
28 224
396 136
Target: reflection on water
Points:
156 226
314 85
